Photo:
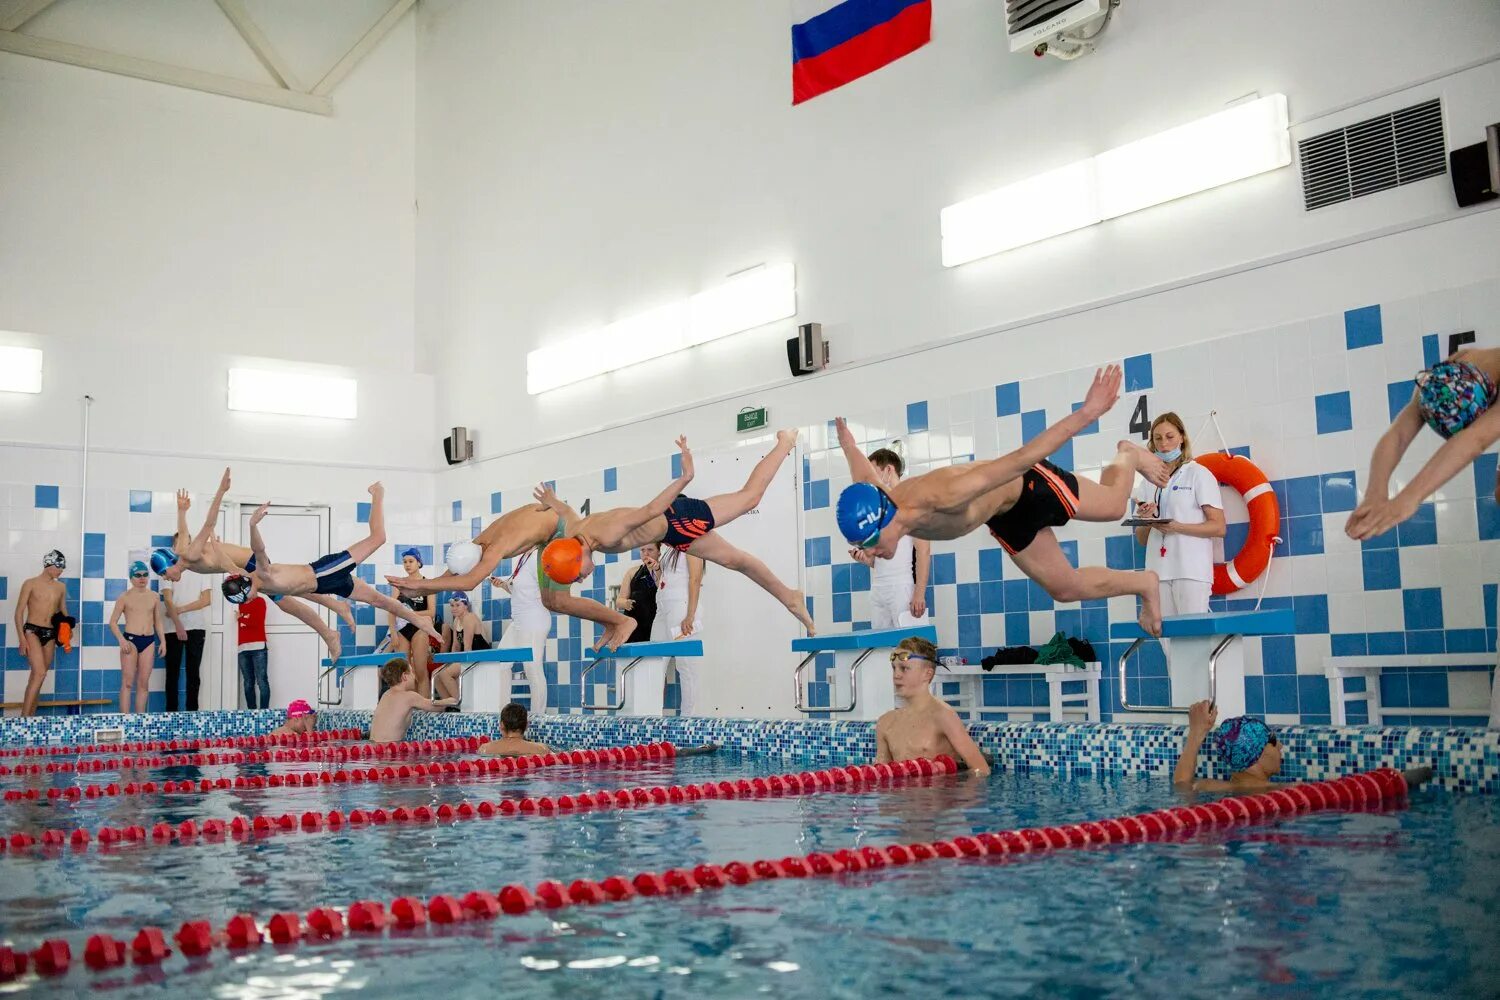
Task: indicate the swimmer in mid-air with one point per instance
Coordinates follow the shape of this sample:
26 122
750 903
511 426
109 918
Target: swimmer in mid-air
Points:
208 554
684 523
924 726
1455 398
1020 497
332 574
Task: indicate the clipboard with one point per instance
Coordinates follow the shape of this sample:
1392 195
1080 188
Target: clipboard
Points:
1144 522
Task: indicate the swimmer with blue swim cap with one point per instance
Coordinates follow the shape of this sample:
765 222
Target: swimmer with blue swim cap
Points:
1019 497
1456 399
1245 746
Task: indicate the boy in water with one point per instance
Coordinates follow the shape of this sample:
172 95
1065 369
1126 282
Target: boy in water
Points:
1020 498
1246 746
684 523
512 741
143 640
333 574
300 719
41 606
393 713
925 727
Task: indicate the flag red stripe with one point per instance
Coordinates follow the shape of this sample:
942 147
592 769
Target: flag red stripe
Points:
885 43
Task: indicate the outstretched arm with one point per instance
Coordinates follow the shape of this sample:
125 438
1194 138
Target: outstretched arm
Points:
212 517
1376 515
547 497
657 507
860 467
431 705
257 543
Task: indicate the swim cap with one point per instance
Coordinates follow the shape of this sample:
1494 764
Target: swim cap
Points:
863 510
298 709
460 597
462 557
163 560
1451 394
1241 741
55 558
139 568
562 560
236 588
414 554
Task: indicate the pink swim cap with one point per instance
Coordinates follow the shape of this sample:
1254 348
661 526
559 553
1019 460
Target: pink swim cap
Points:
298 709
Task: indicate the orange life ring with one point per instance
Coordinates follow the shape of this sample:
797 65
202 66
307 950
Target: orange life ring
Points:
1239 473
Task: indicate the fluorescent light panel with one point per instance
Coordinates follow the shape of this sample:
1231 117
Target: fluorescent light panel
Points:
746 301
297 394
1240 142
20 369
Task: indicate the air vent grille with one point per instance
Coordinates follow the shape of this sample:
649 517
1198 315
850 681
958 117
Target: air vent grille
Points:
1373 155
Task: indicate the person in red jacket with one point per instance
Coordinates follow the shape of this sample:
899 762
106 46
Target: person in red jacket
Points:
252 631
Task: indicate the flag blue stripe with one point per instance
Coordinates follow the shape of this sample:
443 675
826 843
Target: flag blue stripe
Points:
837 25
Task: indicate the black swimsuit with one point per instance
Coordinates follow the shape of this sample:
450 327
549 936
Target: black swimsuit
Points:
643 604
687 521
43 634
417 602
1049 499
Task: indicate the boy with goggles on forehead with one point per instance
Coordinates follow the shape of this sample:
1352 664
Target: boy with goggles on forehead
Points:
1020 498
924 727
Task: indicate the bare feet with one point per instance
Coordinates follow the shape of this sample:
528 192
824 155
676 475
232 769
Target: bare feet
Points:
377 490
427 627
616 635
787 439
345 610
1147 464
798 607
333 642
1150 616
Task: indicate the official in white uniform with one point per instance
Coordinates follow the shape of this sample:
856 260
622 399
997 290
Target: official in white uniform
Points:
680 579
898 588
1181 551
530 623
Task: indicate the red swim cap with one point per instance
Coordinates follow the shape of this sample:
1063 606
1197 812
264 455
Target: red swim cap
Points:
562 560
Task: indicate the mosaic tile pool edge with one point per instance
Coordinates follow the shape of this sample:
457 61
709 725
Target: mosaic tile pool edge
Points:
1464 759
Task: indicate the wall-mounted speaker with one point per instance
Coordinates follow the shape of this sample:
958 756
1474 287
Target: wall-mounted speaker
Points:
457 447
1475 170
808 351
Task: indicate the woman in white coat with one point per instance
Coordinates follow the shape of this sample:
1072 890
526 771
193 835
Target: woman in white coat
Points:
1180 551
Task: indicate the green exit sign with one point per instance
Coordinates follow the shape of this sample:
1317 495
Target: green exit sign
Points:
752 419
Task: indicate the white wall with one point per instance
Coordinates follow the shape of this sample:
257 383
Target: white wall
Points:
150 233
581 162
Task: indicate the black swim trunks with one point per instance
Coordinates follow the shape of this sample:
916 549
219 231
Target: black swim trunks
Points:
335 574
1049 499
43 634
687 521
141 642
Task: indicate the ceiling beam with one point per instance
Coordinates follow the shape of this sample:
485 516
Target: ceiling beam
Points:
25 11
176 76
362 48
259 44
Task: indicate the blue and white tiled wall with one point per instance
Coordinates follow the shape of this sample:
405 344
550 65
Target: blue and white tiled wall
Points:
1306 402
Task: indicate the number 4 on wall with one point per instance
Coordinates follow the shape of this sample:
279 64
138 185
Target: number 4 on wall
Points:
1140 420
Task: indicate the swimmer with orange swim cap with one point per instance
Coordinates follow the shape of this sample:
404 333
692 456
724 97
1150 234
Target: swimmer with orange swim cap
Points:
684 523
1455 398
1020 497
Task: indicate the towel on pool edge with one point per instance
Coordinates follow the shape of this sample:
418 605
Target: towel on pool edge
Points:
1058 651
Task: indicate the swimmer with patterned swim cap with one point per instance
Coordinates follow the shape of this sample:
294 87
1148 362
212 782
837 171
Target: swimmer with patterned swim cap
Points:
1020 497
1246 747
332 574
684 523
206 553
1454 398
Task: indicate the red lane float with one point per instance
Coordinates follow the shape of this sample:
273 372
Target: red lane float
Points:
241 827
1373 789
307 779
283 740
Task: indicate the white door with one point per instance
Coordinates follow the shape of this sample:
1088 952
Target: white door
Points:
294 651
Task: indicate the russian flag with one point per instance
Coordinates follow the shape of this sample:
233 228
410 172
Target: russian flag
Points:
836 41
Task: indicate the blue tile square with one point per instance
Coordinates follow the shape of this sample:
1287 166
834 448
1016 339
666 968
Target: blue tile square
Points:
1063 456
1311 614
495 503
1138 373
476 526
1420 528
1387 643
1382 569
817 494
1278 654
1017 629
1304 535
843 608
676 464
1008 399
859 577
140 501
1487 511
1397 395
991 564
1070 552
1304 495
1255 696
161 541
968 598
841 578
1423 608
46 496
1340 492
1016 594
4 593
818 551
1428 689
611 479
93 567
944 568
1092 428
1037 597
1120 551
362 513
1235 535
992 597
1033 422
1281 694
1362 327
968 630
1349 644
1333 412
458 510
1464 640
93 544
1425 641
916 417
1431 352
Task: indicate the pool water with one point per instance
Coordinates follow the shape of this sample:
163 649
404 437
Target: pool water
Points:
1401 903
